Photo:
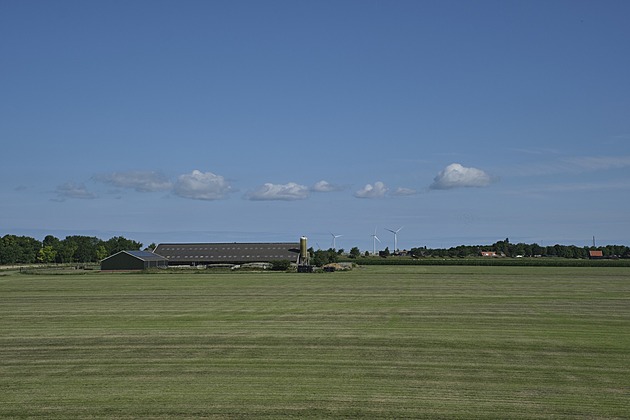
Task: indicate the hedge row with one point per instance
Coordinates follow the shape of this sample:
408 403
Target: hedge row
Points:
520 262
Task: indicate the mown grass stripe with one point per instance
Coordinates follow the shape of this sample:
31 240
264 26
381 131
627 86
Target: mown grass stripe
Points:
392 342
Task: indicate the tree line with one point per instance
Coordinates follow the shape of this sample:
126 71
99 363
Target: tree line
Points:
500 248
73 249
507 249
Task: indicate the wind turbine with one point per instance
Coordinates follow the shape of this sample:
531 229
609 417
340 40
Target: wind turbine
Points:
395 232
335 240
374 239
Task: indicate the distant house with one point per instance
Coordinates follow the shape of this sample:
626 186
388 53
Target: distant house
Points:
488 254
595 255
133 260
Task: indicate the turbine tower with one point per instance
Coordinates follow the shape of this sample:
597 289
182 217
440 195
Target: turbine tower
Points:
395 232
374 239
335 240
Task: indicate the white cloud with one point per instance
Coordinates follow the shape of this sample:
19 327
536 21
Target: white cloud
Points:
201 186
457 176
403 192
286 192
372 191
72 190
138 180
325 186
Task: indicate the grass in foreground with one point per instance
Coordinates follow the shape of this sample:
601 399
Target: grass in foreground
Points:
395 342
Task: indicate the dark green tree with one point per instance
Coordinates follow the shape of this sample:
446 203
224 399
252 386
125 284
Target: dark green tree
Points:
321 257
84 248
537 250
519 249
10 252
355 252
19 249
120 243
65 251
50 240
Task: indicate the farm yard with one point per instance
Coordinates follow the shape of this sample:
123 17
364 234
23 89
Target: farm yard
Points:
376 342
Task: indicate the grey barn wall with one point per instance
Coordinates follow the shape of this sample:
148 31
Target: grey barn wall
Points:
227 253
133 260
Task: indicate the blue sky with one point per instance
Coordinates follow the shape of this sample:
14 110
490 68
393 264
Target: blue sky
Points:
464 122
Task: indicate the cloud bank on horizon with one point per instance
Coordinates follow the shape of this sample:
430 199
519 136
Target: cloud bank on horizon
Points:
325 186
141 181
208 186
72 190
404 192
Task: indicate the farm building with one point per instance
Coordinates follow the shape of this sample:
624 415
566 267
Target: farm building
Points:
595 255
133 260
227 253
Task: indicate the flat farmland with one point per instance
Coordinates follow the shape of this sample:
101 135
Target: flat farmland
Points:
377 342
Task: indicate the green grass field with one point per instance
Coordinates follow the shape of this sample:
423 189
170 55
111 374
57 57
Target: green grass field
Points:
377 342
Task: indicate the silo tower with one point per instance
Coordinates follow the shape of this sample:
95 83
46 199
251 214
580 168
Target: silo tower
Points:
304 265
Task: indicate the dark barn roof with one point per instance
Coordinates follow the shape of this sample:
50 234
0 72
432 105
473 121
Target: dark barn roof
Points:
227 253
133 260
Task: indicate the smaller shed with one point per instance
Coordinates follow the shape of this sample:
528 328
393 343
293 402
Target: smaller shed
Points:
133 260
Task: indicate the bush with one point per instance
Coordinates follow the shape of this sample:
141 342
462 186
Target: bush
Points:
281 265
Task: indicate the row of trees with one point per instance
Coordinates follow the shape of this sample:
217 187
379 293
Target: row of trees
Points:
73 249
505 248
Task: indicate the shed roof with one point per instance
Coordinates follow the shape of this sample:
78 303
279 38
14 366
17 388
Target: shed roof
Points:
228 252
595 253
141 255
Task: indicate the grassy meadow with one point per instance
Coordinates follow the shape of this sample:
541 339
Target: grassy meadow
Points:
377 342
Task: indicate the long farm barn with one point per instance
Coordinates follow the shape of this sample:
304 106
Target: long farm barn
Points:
227 253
